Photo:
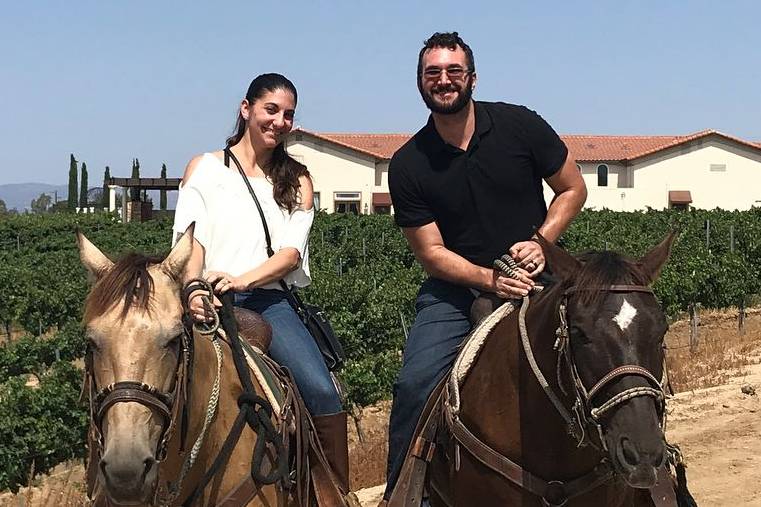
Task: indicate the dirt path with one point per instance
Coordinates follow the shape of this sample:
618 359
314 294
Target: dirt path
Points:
719 432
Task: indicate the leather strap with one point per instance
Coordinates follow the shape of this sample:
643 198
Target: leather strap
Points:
409 487
125 395
663 493
553 492
622 371
270 252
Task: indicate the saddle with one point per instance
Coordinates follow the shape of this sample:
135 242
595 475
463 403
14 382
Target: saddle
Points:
253 329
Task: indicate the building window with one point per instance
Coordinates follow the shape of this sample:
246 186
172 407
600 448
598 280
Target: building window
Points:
382 210
602 175
347 202
316 196
718 168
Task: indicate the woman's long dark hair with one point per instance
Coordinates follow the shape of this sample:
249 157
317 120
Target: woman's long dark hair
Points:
282 169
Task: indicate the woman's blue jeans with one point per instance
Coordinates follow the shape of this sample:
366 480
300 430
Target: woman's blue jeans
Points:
293 347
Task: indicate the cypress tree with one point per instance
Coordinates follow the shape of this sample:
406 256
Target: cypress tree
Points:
162 195
83 188
104 202
135 192
72 197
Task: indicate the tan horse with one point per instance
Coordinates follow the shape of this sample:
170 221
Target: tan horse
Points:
142 383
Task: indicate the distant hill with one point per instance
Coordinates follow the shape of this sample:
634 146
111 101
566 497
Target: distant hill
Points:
20 195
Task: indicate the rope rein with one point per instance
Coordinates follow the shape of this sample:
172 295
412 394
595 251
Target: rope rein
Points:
211 407
254 411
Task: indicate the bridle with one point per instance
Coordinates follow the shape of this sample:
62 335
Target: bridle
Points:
167 404
586 414
582 415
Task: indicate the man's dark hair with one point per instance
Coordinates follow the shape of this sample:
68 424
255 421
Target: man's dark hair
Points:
448 40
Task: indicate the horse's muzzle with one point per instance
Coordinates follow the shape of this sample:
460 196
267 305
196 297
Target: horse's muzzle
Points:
129 480
638 466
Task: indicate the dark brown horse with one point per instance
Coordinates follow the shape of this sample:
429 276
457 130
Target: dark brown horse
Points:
596 336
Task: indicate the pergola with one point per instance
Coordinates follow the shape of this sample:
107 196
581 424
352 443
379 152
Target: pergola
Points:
140 184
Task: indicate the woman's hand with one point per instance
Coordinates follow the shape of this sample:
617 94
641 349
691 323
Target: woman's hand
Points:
223 282
198 309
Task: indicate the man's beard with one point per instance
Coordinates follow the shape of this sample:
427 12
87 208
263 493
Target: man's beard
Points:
464 94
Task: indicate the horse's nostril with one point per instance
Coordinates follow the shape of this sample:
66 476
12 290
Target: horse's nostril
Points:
148 464
629 452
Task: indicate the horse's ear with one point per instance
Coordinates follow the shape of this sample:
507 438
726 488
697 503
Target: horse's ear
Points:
561 263
653 261
175 262
92 258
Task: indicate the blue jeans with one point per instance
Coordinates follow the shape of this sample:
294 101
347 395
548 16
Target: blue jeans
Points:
293 347
441 323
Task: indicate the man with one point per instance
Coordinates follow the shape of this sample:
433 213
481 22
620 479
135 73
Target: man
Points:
466 189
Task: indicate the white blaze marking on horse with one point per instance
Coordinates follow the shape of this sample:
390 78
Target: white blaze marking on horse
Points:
625 315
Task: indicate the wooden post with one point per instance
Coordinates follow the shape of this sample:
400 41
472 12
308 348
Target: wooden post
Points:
693 327
741 317
708 233
732 238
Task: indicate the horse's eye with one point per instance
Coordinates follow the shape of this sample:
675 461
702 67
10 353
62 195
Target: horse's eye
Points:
174 342
577 335
91 345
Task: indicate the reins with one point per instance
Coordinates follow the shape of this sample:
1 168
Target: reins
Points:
254 411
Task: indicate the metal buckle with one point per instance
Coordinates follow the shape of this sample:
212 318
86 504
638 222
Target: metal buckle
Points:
560 499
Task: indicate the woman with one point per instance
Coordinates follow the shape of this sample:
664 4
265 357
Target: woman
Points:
230 247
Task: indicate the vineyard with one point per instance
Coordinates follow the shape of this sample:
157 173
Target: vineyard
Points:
364 276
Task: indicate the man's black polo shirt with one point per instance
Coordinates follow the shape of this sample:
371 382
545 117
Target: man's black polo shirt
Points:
483 199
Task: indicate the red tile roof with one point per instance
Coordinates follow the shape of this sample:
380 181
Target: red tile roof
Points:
381 146
586 148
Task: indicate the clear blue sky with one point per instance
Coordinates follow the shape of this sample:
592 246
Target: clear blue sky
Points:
161 81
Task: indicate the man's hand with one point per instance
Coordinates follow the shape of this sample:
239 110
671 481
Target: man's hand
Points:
529 256
511 288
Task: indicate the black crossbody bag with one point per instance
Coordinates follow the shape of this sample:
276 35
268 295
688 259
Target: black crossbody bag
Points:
312 316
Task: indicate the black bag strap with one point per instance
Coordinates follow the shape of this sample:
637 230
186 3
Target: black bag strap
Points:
270 252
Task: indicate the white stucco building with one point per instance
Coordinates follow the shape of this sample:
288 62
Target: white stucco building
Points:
707 170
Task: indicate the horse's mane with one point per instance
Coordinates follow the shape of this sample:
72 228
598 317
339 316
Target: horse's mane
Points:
601 269
128 281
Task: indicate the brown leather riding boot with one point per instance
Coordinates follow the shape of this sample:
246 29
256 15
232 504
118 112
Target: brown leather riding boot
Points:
331 430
